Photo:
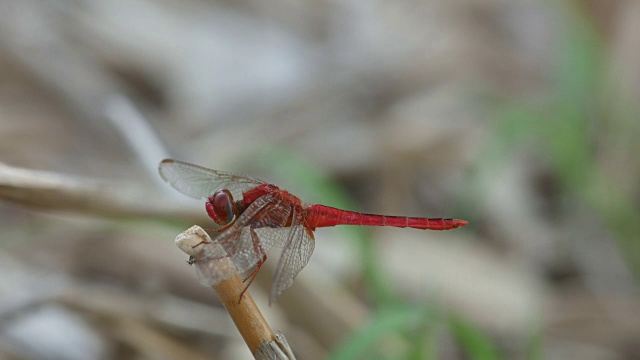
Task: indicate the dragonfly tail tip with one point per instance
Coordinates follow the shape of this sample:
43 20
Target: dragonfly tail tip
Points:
461 223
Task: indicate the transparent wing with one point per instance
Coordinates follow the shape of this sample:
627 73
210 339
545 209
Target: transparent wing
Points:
200 182
242 251
295 256
237 240
273 237
271 228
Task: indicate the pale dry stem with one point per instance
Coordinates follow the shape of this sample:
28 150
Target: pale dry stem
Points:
59 192
219 272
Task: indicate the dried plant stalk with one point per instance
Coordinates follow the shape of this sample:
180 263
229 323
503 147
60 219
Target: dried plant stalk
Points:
54 191
217 270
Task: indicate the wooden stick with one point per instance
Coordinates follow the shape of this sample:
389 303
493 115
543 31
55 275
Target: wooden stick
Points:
59 192
215 269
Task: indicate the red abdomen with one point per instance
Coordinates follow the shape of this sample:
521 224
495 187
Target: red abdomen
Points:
323 216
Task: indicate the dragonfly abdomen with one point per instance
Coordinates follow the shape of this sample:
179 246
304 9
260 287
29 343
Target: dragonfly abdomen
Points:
323 216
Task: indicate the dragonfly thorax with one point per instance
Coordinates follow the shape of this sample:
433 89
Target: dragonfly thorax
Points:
220 207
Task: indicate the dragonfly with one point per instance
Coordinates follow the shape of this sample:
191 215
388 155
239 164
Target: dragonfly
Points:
254 216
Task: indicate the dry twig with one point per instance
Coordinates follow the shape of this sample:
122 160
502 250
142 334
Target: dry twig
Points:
48 190
216 269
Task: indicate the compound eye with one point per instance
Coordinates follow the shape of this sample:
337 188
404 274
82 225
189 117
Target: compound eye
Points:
220 207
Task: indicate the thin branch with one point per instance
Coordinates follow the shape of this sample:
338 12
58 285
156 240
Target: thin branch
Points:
53 191
216 269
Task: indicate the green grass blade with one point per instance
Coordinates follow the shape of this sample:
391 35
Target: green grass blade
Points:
382 330
473 341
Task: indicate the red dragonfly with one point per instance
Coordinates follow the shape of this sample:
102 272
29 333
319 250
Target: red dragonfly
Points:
255 216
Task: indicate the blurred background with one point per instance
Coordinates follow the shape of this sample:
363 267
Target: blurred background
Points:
518 116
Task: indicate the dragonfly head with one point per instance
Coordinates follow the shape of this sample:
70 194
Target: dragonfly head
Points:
220 207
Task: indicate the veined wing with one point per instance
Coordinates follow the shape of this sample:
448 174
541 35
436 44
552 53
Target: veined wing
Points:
238 241
295 256
200 182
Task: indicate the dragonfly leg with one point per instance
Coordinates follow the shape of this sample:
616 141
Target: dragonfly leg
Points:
222 228
203 242
195 258
263 257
